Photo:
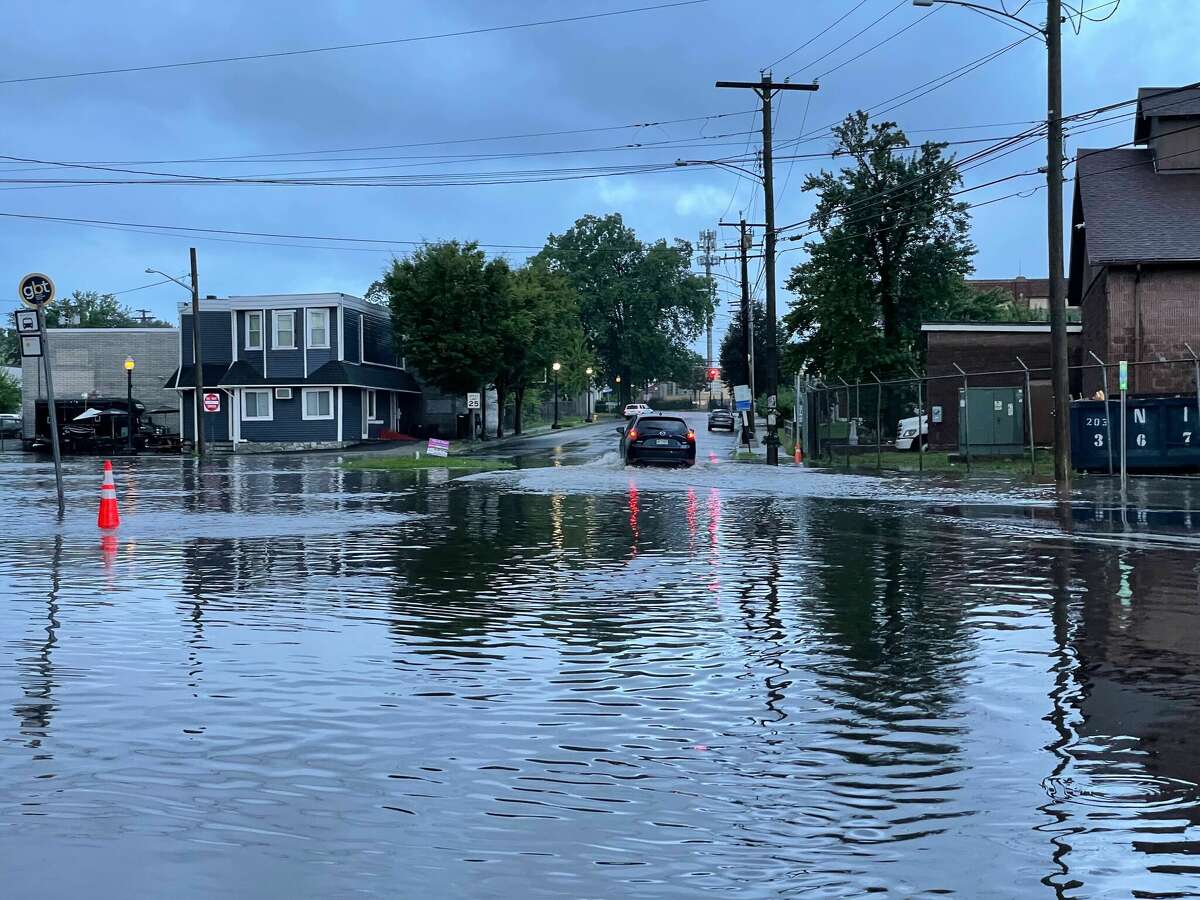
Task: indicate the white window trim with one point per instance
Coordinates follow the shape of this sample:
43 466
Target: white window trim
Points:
262 332
304 405
276 315
373 400
308 328
270 416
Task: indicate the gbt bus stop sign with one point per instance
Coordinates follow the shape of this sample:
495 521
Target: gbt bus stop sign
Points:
36 290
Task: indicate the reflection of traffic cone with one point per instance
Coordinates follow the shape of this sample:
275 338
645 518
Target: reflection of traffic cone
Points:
109 516
108 549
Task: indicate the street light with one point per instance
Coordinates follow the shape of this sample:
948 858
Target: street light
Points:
556 367
129 366
1060 373
198 383
589 418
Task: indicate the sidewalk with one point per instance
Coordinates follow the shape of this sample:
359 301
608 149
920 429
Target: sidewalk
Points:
491 444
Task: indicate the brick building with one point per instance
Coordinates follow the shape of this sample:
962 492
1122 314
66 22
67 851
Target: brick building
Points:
1032 294
1135 244
988 347
91 361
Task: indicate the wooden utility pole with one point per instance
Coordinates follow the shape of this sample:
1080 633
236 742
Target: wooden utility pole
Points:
196 357
766 89
1059 359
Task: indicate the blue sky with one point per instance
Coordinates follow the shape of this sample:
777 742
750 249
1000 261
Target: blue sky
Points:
652 66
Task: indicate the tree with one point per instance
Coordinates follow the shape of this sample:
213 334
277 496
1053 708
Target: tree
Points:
894 250
735 368
446 300
10 394
639 304
10 347
90 309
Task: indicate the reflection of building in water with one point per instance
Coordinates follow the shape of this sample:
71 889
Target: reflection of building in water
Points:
1139 656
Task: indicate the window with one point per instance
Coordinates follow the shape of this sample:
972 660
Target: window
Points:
256 406
285 330
318 328
318 403
372 407
254 331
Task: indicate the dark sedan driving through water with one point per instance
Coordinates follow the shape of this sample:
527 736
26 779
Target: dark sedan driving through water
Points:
668 440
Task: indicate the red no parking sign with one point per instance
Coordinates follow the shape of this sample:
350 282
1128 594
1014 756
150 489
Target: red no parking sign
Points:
212 403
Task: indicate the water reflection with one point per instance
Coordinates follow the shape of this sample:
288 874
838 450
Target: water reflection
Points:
416 685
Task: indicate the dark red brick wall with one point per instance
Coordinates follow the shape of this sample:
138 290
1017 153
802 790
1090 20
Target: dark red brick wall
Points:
986 352
1165 302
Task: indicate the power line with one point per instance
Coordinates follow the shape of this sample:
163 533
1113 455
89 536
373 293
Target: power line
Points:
838 21
874 47
357 46
848 40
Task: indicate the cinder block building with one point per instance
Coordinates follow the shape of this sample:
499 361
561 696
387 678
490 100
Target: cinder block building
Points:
90 362
1135 245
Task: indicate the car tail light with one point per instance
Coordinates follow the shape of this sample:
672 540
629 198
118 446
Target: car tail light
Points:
633 434
691 436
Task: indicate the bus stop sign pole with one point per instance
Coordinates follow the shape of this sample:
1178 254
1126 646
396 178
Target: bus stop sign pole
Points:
36 291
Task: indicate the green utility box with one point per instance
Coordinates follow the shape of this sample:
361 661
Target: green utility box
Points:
992 421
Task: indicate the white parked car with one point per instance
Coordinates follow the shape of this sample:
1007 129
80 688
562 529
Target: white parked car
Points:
633 410
906 434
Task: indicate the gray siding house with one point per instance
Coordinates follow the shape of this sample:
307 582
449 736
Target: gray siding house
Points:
295 370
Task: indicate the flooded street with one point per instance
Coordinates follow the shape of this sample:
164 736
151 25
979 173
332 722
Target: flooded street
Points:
282 678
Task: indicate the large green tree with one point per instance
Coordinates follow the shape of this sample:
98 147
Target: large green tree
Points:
91 309
445 299
639 304
893 250
10 394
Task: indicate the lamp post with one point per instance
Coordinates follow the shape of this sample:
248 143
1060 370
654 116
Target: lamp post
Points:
1059 361
129 366
556 367
620 399
198 369
589 417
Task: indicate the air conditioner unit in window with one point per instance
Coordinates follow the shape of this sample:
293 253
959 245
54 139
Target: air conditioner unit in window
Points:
283 393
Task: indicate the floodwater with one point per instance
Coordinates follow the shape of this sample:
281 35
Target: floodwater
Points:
284 679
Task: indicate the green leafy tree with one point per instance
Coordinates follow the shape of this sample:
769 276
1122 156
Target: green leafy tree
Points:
10 394
446 299
639 304
89 309
10 347
894 249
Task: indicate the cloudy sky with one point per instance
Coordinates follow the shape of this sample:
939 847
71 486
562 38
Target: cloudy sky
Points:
421 123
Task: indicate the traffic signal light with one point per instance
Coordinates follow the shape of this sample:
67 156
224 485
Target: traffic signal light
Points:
713 374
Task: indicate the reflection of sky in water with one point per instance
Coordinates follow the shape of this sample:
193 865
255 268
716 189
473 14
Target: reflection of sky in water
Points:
646 684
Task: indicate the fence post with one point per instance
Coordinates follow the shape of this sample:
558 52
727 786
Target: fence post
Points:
920 422
1029 420
966 416
1107 414
878 422
848 420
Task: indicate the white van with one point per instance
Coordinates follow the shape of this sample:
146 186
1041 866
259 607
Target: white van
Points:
906 434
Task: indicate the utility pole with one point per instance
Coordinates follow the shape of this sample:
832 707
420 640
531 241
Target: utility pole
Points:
1059 360
766 89
745 242
707 245
199 367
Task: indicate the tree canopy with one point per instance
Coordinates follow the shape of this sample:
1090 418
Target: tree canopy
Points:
893 250
735 368
10 394
639 304
91 309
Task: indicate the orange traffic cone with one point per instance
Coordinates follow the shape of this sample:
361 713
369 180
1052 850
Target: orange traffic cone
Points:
799 455
109 516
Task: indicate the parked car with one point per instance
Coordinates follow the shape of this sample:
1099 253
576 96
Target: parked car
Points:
906 434
720 418
10 425
633 410
658 439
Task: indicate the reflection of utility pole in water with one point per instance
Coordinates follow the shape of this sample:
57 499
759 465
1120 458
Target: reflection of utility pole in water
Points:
36 708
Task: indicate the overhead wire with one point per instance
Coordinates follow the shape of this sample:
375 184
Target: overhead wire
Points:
354 46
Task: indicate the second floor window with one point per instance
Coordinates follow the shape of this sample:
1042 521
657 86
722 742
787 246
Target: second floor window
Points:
254 331
285 330
318 328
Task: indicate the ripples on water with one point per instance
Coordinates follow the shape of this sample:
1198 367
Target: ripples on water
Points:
314 683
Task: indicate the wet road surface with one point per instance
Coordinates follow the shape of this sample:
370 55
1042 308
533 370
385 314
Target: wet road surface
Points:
285 679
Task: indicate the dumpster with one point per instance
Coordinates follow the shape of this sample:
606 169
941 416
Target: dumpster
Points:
1162 433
